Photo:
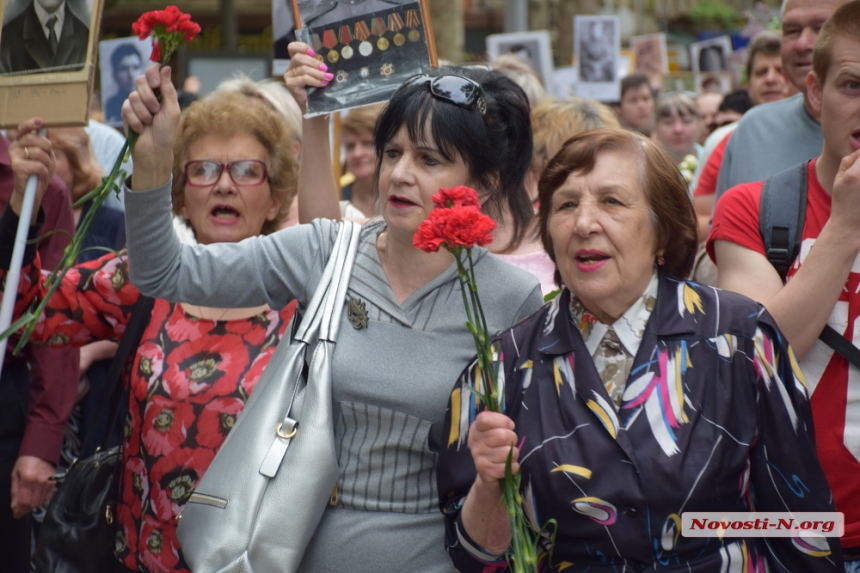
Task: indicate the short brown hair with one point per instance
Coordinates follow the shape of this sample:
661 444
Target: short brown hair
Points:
672 212
229 113
766 43
362 120
844 23
676 102
75 145
554 121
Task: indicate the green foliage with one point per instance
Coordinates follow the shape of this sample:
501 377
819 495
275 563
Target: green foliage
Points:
713 14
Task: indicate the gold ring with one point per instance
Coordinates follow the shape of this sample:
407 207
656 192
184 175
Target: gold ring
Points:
284 436
26 153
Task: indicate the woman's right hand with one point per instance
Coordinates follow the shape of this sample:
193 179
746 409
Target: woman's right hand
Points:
30 154
491 438
156 122
304 72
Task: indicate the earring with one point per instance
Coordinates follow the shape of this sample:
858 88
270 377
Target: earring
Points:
660 260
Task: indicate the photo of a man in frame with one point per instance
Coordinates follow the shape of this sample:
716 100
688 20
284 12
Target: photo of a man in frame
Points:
47 36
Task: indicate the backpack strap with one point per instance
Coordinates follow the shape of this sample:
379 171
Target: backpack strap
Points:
782 214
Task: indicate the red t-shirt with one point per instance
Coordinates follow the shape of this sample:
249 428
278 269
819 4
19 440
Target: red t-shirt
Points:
833 383
711 171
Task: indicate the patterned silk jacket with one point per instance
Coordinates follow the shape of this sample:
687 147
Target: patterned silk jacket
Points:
714 417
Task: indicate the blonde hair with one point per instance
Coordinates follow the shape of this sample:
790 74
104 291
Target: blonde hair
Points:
362 120
228 113
272 92
525 77
554 121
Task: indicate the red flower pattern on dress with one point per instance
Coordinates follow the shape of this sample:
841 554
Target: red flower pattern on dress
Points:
173 478
158 546
165 425
146 533
199 370
216 420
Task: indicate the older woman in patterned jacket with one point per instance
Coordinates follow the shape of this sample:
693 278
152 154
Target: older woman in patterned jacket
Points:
634 396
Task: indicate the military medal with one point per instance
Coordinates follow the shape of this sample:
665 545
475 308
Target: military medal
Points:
364 72
345 34
319 58
333 56
414 35
362 33
386 69
382 44
377 26
412 20
342 76
329 40
399 39
346 52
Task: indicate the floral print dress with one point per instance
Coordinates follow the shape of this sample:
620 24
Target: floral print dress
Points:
188 382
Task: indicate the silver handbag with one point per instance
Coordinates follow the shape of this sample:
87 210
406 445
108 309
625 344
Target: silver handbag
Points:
259 503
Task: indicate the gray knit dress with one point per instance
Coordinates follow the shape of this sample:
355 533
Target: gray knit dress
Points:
390 380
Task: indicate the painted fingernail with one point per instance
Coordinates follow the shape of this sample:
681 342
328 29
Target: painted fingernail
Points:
323 68
311 52
329 76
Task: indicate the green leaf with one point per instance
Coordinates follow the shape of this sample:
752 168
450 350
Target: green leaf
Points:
551 295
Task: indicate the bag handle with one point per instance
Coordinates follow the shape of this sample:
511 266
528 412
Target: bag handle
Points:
337 297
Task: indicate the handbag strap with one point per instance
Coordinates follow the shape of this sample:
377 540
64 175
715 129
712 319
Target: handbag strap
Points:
140 315
840 344
319 314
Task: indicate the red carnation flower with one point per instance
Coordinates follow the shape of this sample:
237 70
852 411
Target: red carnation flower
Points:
460 196
169 26
454 227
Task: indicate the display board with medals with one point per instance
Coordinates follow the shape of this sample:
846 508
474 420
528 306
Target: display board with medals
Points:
370 56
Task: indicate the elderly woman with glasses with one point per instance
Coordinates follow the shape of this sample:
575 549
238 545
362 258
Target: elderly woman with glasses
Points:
234 176
404 341
634 397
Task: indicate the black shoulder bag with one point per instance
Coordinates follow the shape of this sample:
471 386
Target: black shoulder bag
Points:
78 533
782 214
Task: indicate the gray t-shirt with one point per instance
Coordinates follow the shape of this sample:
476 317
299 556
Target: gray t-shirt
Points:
390 380
769 138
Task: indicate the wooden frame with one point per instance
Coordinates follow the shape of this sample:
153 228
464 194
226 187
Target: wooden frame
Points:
60 95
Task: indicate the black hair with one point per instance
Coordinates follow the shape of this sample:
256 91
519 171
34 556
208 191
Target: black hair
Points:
738 100
496 146
122 51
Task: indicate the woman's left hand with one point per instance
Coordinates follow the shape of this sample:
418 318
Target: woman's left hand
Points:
491 440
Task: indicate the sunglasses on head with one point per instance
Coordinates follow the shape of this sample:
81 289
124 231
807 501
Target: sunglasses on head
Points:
458 90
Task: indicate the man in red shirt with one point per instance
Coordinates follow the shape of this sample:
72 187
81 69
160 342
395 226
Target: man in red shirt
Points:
823 285
38 387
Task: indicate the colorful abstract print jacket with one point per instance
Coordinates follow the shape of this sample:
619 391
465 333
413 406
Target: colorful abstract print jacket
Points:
714 417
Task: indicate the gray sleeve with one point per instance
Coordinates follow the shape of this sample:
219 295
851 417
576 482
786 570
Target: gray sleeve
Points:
260 270
723 180
531 304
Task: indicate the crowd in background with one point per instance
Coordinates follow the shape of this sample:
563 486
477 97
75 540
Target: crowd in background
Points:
631 213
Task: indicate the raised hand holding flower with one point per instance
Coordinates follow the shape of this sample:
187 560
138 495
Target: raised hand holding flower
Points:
170 27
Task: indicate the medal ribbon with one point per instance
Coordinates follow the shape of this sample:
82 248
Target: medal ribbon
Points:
395 22
361 31
412 20
377 26
345 34
329 39
315 42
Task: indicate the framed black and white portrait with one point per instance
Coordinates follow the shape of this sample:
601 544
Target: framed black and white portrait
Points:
597 47
121 62
711 55
533 48
47 58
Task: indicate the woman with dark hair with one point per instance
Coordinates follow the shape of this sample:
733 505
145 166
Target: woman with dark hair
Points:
403 341
495 146
634 396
